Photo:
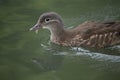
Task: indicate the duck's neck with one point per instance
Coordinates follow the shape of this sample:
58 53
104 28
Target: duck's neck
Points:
58 33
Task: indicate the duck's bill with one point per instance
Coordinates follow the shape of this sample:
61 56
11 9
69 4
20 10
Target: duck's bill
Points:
35 28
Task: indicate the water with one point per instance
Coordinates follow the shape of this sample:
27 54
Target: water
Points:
27 56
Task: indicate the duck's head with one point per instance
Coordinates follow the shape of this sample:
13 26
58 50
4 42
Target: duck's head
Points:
49 20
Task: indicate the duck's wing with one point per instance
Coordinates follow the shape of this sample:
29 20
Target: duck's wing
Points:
99 34
103 28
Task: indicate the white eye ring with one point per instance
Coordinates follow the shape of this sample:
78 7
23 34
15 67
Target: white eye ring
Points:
47 20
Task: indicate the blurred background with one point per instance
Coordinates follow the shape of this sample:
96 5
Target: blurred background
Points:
25 55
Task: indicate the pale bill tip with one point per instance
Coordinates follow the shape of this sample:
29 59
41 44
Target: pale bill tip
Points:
36 31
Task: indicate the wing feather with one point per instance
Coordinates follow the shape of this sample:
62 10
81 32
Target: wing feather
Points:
91 28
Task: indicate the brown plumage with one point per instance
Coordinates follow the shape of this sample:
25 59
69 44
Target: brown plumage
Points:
91 34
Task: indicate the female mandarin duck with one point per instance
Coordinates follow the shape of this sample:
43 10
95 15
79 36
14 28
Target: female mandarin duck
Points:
91 34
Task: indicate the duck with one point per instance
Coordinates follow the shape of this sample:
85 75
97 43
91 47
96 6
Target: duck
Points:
87 34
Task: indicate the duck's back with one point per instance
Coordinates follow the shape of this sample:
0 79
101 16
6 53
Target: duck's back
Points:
95 34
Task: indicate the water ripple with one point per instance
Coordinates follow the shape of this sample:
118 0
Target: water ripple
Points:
96 55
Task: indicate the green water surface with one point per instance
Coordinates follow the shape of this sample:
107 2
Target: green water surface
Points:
25 55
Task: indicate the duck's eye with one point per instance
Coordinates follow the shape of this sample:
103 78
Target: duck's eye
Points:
47 19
